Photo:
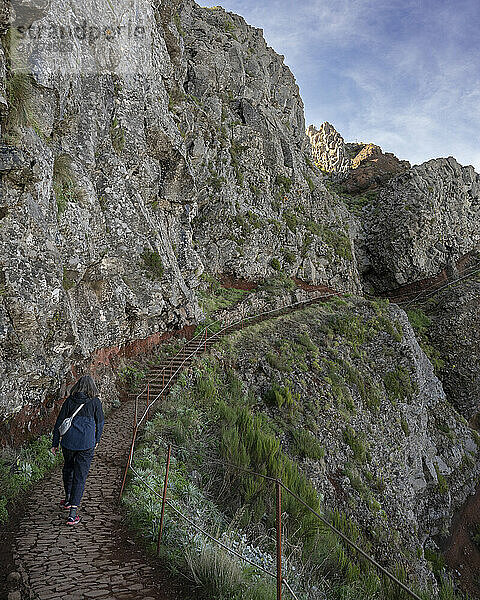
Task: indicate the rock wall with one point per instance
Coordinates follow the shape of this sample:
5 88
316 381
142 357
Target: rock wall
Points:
261 202
420 222
162 140
455 332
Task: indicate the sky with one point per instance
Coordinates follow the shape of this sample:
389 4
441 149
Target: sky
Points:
403 74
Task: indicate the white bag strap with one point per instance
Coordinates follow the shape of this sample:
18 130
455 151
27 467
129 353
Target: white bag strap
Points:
77 411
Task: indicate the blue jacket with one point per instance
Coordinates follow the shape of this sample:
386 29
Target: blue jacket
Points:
87 426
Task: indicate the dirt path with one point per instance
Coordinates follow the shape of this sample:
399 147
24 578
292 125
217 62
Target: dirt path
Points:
460 552
97 558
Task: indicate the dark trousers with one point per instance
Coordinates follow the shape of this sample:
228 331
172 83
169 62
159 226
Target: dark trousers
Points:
75 470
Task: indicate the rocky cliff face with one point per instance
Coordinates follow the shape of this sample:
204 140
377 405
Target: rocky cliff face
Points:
421 222
455 331
168 140
413 222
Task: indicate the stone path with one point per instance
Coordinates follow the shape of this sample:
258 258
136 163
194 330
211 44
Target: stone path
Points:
97 558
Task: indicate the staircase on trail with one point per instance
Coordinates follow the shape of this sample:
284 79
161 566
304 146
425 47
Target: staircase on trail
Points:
162 377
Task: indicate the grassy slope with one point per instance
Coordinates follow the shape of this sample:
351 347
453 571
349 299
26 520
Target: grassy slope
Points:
284 398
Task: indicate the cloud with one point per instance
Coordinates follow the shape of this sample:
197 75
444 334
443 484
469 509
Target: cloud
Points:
403 75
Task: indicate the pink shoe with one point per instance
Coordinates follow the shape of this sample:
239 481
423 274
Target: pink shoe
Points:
73 520
65 504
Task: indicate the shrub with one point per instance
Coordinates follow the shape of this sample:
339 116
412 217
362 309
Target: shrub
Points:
68 281
132 375
289 256
291 220
283 182
306 445
20 468
214 570
275 264
442 483
356 443
310 183
153 263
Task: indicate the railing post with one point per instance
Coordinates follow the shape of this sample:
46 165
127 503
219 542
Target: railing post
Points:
279 539
163 384
160 531
135 418
148 398
127 466
206 329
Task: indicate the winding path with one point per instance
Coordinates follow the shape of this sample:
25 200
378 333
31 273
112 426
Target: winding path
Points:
97 558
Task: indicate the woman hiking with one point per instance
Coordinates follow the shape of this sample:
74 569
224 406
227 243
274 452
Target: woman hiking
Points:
79 441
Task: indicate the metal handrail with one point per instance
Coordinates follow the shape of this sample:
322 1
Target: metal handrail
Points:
214 539
221 331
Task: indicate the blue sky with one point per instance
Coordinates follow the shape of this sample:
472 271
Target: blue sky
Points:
404 74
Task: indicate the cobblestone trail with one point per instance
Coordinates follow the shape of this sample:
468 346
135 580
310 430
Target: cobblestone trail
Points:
95 559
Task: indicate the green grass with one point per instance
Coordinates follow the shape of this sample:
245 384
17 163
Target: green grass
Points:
216 297
20 468
20 91
442 483
399 385
357 443
65 185
152 262
419 320
277 282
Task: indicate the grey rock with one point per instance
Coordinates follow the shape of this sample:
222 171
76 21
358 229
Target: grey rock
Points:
422 221
10 159
189 147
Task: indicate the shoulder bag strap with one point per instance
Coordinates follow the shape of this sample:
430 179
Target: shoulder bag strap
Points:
77 411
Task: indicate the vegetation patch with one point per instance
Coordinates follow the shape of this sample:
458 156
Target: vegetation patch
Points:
283 182
421 324
399 384
152 262
117 135
216 297
20 91
65 185
306 445
354 202
22 467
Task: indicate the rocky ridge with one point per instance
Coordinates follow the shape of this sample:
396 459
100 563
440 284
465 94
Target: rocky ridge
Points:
413 222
